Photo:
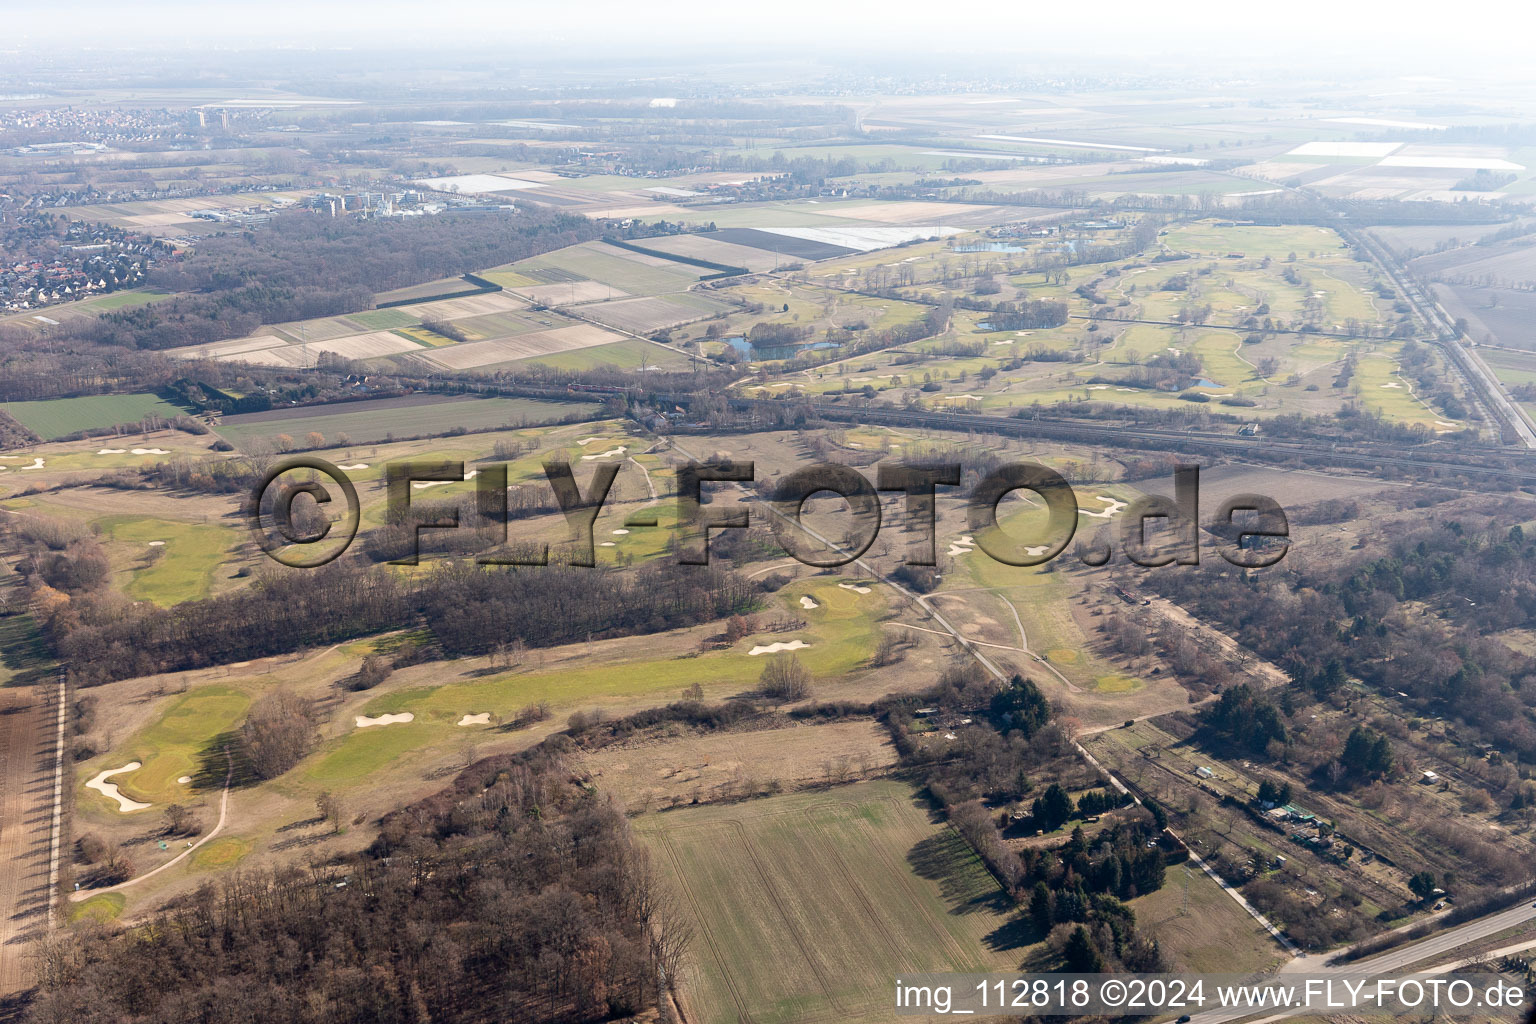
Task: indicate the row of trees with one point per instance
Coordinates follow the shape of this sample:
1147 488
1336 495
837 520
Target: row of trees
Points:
469 609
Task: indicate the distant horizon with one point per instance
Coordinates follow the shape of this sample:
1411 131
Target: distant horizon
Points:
1312 34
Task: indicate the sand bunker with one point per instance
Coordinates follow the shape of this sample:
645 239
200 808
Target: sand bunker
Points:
113 451
620 533
184 780
603 455
422 485
854 587
150 451
157 543
1114 507
483 718
110 790
1392 385
807 603
363 721
37 463
773 648
1036 549
355 465
588 440
964 546
607 544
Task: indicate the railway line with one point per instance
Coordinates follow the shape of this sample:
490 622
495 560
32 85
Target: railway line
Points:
1487 463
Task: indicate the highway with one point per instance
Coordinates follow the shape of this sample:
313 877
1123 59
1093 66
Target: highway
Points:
1483 386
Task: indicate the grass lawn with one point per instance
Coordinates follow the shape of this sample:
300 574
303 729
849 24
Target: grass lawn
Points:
185 569
126 299
103 908
168 748
841 632
1201 928
221 853
59 417
807 906
1384 390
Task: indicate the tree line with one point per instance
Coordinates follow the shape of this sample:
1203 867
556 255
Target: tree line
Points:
467 609
515 895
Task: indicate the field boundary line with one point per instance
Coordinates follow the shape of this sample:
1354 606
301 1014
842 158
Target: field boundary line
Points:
698 909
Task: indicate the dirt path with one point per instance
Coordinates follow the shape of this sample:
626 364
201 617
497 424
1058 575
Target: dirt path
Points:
26 788
85 894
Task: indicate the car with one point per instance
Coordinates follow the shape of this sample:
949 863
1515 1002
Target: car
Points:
1184 1019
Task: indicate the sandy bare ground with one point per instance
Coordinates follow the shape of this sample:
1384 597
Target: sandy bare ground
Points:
26 791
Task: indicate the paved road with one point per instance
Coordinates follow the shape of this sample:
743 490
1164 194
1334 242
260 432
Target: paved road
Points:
1395 961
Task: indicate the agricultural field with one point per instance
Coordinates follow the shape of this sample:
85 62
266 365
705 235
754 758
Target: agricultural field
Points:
365 422
808 905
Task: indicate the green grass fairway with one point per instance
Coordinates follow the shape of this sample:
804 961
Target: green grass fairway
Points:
103 908
60 417
168 748
841 631
184 572
220 854
806 907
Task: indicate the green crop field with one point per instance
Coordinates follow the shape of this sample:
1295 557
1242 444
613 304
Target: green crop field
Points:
426 415
125 299
60 417
383 319
806 907
190 555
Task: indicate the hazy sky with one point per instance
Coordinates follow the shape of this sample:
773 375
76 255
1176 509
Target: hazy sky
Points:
1299 29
